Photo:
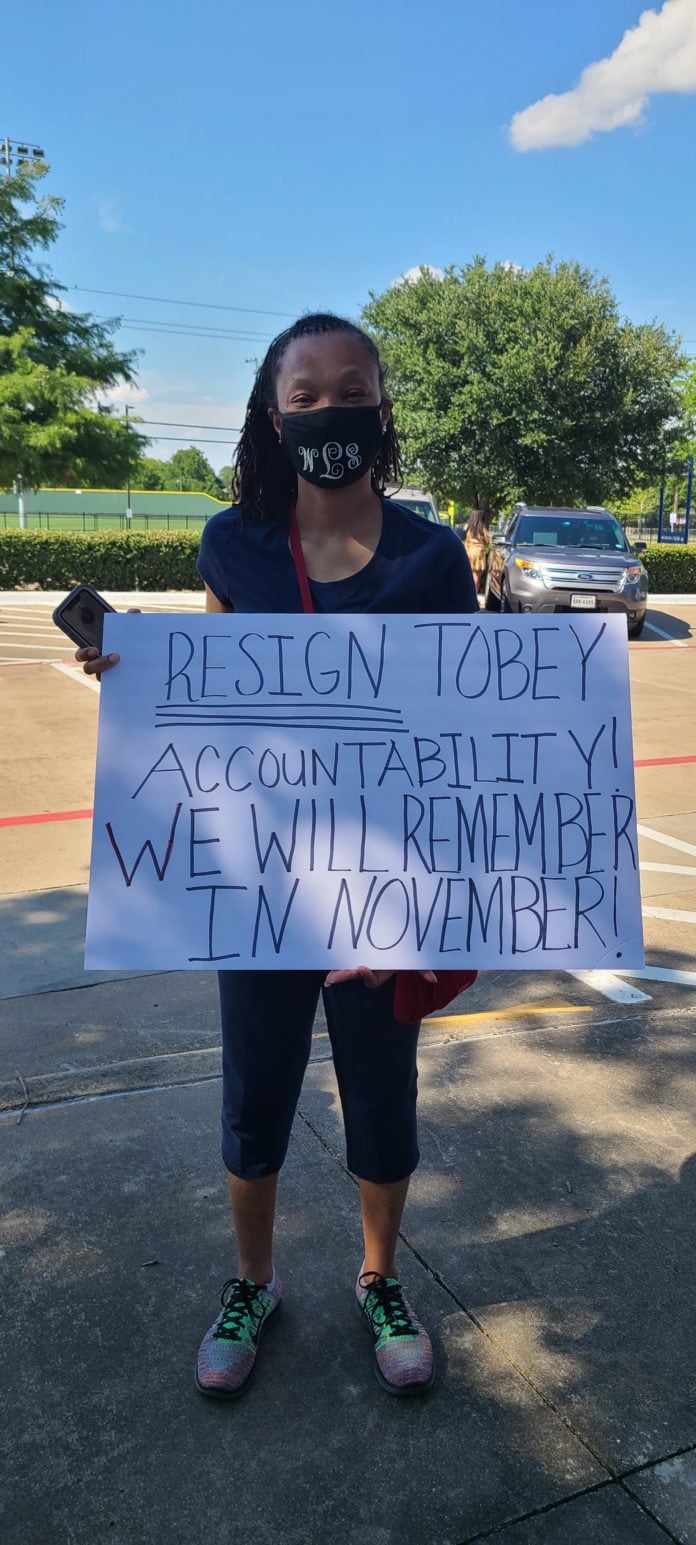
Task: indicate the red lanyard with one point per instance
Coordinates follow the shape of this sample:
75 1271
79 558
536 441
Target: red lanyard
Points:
298 560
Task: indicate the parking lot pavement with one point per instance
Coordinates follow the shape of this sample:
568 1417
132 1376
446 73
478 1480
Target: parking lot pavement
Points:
545 1239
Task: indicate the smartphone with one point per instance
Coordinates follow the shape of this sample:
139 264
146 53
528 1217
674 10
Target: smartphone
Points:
81 615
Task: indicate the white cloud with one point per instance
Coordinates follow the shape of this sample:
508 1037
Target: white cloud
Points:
56 303
125 393
110 219
657 55
412 275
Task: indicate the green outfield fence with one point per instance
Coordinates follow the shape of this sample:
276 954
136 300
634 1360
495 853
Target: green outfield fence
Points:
638 528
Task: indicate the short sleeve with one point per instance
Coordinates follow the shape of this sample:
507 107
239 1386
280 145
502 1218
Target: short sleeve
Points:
452 588
212 561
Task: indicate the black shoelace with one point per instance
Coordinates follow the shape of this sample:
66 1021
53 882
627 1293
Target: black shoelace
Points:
241 1301
387 1310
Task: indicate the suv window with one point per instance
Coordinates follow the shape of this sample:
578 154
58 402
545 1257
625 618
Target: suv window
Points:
578 531
421 507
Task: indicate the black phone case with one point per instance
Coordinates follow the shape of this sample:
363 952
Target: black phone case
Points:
66 627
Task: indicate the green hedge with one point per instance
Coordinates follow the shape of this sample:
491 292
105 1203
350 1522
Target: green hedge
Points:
671 569
109 560
153 560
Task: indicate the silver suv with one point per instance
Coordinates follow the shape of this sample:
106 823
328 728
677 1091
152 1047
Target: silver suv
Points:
549 560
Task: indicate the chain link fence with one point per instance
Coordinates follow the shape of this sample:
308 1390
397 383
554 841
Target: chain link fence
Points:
45 521
637 526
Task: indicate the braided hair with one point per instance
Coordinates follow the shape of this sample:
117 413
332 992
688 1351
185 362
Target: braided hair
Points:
265 483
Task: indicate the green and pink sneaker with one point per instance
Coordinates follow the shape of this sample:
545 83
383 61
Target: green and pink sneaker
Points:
403 1361
227 1353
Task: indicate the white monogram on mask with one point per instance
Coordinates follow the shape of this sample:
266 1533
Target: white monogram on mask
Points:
309 455
332 456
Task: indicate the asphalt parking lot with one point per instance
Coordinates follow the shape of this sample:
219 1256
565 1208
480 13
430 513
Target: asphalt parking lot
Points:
546 1238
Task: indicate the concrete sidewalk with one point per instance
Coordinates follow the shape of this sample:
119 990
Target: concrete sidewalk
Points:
545 1245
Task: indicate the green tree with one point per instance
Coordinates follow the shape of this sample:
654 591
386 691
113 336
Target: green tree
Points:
644 499
54 363
190 469
514 383
148 472
226 479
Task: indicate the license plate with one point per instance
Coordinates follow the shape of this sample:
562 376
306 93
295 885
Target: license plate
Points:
583 603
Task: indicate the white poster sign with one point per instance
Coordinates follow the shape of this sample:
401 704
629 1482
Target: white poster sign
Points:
318 792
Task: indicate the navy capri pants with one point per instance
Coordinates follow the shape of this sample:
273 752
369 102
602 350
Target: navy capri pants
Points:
267 1019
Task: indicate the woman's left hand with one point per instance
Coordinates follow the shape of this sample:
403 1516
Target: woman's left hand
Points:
369 977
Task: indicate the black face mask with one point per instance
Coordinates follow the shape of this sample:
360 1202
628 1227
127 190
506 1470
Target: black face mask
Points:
332 447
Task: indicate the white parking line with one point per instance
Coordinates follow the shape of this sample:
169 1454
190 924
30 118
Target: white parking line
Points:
663 974
35 632
37 643
670 914
76 673
679 643
611 986
668 868
667 842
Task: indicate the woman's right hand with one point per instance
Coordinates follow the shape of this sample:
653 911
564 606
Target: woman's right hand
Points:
93 663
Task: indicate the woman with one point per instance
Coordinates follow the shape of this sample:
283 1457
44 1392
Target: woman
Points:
317 449
477 544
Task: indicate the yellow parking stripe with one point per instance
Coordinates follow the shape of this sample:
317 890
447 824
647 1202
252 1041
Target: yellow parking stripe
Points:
457 1021
454 1021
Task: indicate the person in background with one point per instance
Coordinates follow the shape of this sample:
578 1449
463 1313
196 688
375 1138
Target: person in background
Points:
477 543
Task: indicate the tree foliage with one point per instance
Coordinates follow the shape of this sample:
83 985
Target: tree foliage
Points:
150 473
54 363
188 470
192 470
513 383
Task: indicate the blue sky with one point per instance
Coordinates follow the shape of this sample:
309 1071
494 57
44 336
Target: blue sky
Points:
291 157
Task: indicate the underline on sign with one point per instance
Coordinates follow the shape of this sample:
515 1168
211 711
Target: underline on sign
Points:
311 707
286 724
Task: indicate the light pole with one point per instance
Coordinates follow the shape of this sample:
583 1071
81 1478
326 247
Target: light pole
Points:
18 488
129 512
15 154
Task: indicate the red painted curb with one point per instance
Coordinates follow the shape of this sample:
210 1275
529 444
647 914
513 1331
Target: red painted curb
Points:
51 815
663 761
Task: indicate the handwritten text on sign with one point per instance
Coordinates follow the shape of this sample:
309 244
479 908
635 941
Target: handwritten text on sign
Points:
315 792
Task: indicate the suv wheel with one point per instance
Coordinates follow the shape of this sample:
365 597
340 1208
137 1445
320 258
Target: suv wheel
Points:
637 629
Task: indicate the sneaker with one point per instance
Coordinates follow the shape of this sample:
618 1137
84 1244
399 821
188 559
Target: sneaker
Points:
403 1362
227 1353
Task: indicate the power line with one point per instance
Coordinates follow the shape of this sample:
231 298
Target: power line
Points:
232 332
194 439
166 423
165 301
182 332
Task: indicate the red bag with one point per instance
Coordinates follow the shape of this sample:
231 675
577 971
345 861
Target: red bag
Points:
414 997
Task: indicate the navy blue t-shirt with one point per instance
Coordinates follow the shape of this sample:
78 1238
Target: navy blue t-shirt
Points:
417 567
